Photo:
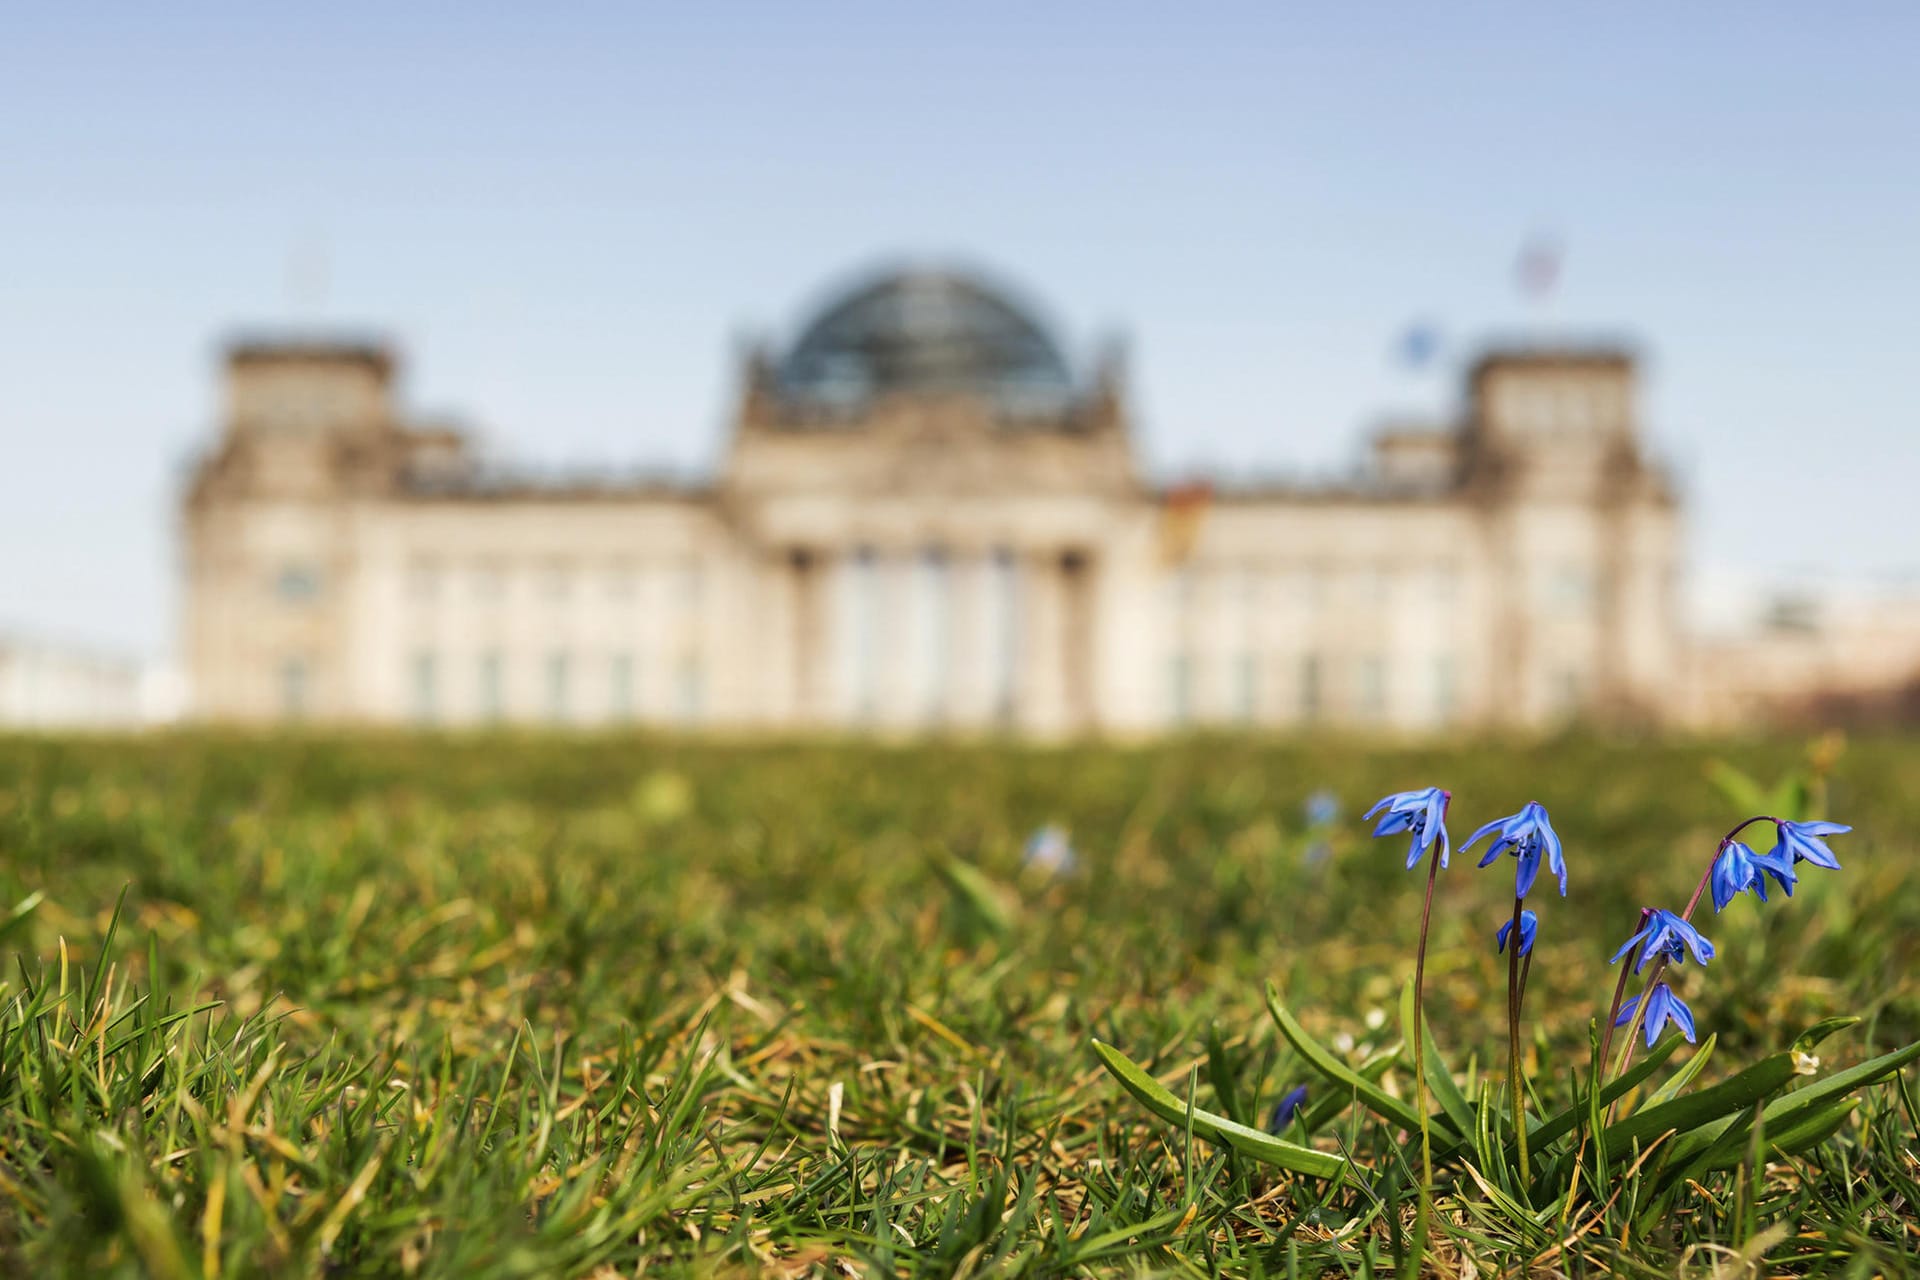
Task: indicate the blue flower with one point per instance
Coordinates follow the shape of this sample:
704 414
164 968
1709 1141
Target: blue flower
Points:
1528 924
1422 812
1739 868
1285 1110
1664 933
1323 808
1801 842
1662 1006
1050 850
1526 835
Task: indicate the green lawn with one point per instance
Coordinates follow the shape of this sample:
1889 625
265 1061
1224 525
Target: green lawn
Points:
478 1007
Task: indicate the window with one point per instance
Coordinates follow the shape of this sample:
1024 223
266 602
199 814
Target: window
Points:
423 580
1569 690
557 679
623 582
425 694
1180 687
1373 686
489 582
1002 617
692 584
297 583
293 688
1446 687
492 699
1184 588
620 686
1570 587
932 627
1246 688
692 688
860 626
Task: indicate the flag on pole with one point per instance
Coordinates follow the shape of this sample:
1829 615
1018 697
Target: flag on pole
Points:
1417 345
1182 512
1538 270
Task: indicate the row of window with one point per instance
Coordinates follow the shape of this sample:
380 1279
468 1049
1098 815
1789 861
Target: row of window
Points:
554 580
1362 689
1560 587
438 690
563 682
302 583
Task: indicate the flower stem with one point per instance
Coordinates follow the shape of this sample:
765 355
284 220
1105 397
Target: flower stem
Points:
1619 998
1620 989
1420 1046
1515 1076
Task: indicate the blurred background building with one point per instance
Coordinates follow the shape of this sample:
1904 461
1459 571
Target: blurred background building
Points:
926 517
50 684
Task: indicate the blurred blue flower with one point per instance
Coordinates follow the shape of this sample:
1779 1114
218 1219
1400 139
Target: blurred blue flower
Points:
1528 925
1802 842
1318 852
1323 808
1285 1110
1739 868
1050 850
1423 813
1662 1006
1664 933
1526 835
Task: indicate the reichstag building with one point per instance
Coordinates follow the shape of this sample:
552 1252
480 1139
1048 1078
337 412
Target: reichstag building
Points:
927 519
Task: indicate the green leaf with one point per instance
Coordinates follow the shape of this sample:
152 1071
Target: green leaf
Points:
1446 1091
1741 791
1249 1142
979 898
1810 1039
1377 1100
1792 799
1787 1110
1811 1130
1686 1074
1220 1072
1331 1105
23 909
1696 1110
1562 1122
1797 1121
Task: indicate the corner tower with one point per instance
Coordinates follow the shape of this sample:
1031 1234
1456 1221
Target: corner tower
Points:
1583 526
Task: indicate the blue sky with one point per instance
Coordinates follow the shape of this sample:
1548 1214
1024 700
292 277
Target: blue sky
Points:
568 218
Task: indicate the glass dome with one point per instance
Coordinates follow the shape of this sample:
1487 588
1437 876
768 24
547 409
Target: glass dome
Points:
930 333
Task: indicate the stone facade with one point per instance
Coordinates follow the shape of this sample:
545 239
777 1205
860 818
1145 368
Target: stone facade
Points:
926 520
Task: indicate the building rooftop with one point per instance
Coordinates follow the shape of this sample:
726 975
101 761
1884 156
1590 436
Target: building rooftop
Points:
927 332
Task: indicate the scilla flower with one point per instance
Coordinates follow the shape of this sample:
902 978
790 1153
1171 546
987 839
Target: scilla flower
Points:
1050 849
1739 868
1285 1109
1528 925
1664 933
1526 835
1803 842
1662 1006
1423 813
